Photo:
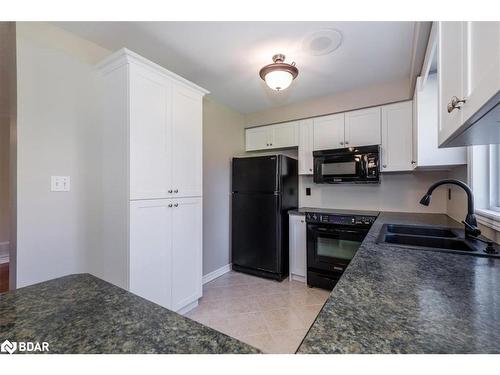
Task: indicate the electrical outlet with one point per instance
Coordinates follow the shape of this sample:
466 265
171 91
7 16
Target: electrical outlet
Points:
59 183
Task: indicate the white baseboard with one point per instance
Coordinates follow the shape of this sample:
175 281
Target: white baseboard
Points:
217 273
299 278
187 308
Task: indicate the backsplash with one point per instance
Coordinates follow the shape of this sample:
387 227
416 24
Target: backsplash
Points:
396 192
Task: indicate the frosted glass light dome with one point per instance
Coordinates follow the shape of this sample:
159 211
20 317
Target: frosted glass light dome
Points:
278 80
279 75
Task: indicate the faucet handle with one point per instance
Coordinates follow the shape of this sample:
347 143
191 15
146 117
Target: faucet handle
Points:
473 231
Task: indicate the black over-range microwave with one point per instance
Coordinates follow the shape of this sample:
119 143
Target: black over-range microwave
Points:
347 165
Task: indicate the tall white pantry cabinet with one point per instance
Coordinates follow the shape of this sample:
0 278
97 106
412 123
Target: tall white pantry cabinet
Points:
152 181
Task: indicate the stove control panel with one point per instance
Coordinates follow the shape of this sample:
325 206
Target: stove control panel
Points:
312 217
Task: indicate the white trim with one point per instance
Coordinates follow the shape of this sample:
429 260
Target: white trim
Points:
187 308
488 218
299 278
125 56
217 273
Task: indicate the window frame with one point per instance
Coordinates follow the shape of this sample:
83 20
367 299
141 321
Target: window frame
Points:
484 177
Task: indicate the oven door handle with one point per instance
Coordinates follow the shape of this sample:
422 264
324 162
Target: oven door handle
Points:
326 230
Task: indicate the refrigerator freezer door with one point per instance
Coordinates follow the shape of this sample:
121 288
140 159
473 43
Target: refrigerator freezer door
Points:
256 231
256 174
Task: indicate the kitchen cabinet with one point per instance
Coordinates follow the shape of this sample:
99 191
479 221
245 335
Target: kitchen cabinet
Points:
328 132
482 64
297 246
362 127
151 250
187 257
469 72
165 135
397 140
152 181
257 138
426 153
187 144
166 251
306 147
451 71
283 135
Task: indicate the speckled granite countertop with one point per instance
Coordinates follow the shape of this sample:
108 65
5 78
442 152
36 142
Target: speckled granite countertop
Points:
84 314
398 300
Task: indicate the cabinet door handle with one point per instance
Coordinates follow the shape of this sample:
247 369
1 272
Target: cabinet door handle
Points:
413 162
176 205
170 205
346 142
310 170
170 191
455 104
384 166
341 143
176 191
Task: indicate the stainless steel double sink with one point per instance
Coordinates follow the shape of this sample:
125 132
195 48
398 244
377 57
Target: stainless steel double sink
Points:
432 238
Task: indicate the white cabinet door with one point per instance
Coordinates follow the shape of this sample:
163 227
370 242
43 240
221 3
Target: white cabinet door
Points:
451 56
186 142
150 250
306 146
257 138
284 135
362 128
482 73
186 252
150 171
397 139
329 132
298 245
425 123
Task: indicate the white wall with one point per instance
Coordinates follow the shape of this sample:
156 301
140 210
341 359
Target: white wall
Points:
345 101
396 192
223 137
58 134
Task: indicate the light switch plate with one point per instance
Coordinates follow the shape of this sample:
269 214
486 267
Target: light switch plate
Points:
59 183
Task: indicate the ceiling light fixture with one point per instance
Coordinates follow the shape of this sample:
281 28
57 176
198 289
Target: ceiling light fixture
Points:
279 75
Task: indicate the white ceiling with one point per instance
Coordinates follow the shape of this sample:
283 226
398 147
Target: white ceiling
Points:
225 57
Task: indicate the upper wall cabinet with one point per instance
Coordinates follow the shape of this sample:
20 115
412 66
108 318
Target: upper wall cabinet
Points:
329 132
425 123
362 128
451 71
272 136
306 146
469 72
397 139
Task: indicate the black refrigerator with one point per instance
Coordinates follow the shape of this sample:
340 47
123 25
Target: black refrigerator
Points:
264 188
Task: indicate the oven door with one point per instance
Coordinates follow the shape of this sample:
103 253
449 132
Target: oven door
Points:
331 248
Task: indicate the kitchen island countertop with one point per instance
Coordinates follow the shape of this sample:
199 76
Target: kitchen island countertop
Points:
83 314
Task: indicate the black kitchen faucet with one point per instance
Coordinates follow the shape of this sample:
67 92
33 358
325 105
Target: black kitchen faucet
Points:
471 229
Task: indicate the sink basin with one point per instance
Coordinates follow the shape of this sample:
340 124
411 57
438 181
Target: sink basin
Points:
435 242
415 237
421 231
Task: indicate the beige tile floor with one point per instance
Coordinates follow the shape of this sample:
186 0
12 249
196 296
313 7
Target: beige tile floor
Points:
269 315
